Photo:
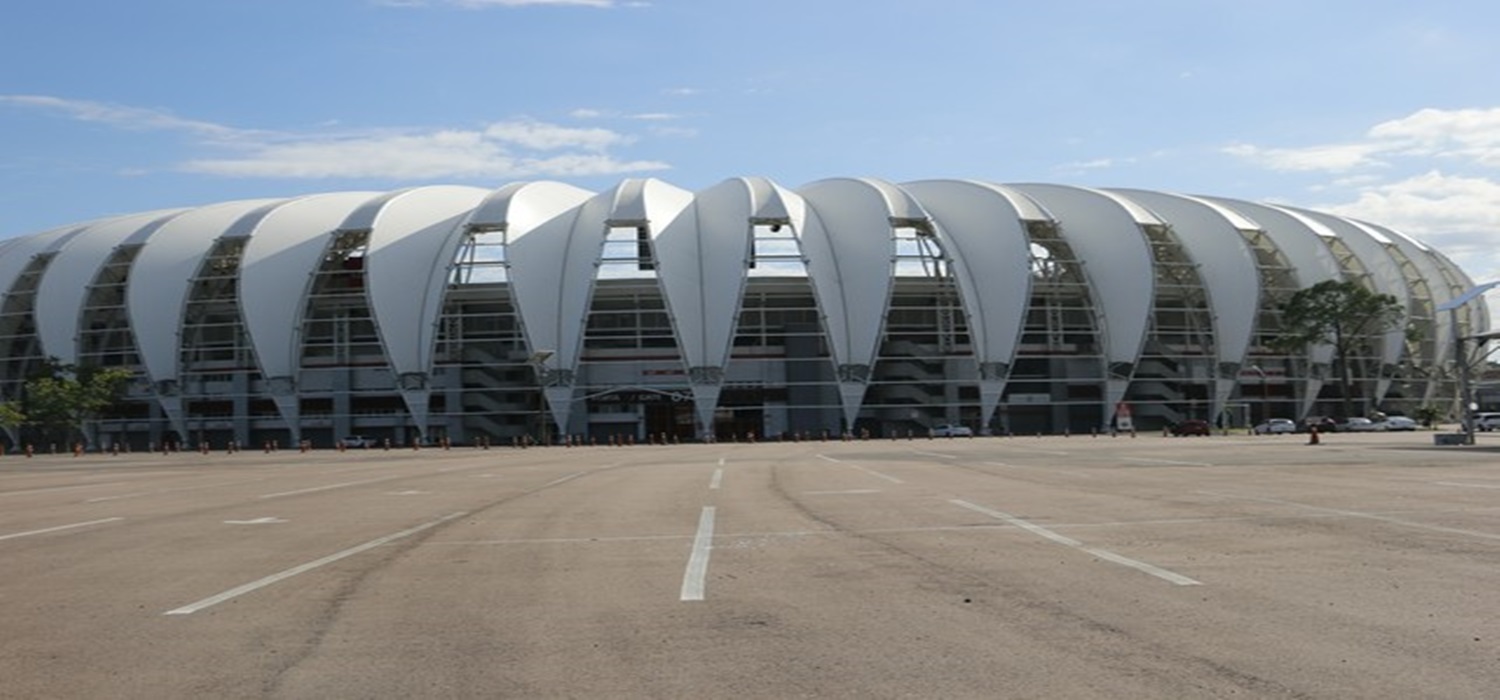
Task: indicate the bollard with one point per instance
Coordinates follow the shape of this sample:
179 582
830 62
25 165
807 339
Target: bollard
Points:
1312 436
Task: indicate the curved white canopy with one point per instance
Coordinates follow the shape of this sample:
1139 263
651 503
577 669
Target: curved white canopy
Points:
851 259
413 236
1211 236
276 269
519 207
982 229
1385 275
15 257
412 242
156 293
65 284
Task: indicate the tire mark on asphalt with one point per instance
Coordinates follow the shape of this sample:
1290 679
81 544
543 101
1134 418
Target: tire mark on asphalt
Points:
1050 621
349 588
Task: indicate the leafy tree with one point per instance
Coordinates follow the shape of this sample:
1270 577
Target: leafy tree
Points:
61 399
1342 314
1429 415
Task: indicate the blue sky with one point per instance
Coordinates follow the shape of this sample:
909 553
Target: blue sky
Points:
1384 110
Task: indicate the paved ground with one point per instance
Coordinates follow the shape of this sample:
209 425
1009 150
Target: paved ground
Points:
1079 567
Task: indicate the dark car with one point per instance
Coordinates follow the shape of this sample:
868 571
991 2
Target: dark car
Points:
1324 424
1192 426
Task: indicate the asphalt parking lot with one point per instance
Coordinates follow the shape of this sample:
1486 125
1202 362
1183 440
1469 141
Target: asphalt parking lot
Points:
1081 567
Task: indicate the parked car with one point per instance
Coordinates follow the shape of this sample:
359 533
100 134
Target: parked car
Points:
1192 426
1396 423
951 431
1276 426
356 441
1357 425
1324 424
1487 421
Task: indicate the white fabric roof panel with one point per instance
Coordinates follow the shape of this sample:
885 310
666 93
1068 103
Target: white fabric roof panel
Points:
850 257
156 294
1421 257
65 285
1225 265
981 228
703 255
519 207
552 267
276 269
413 239
1106 236
1384 272
15 257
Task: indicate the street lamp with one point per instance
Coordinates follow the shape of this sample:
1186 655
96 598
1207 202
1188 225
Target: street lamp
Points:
538 361
1265 394
1452 307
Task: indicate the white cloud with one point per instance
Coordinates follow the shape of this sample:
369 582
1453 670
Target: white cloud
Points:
1463 135
1337 158
1391 178
589 113
501 150
504 149
447 154
1457 215
546 137
1470 134
132 118
1431 204
482 4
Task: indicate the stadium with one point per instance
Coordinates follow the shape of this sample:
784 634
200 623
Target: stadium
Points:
746 310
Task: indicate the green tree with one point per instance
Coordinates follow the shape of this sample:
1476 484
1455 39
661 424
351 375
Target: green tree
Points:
1342 314
60 400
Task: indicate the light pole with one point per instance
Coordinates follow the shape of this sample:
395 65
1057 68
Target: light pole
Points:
538 361
1466 409
1265 395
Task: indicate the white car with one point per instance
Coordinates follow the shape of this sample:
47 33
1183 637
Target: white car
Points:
951 431
1487 421
1396 423
1275 426
1358 425
356 441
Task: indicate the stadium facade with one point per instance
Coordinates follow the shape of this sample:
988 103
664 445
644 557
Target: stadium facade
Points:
748 308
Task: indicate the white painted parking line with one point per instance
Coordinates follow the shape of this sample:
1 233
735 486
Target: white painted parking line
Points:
1009 445
1153 460
697 568
1104 554
563 480
1049 469
1467 486
871 472
934 454
60 488
59 528
845 492
330 487
304 568
1366 516
713 484
138 494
